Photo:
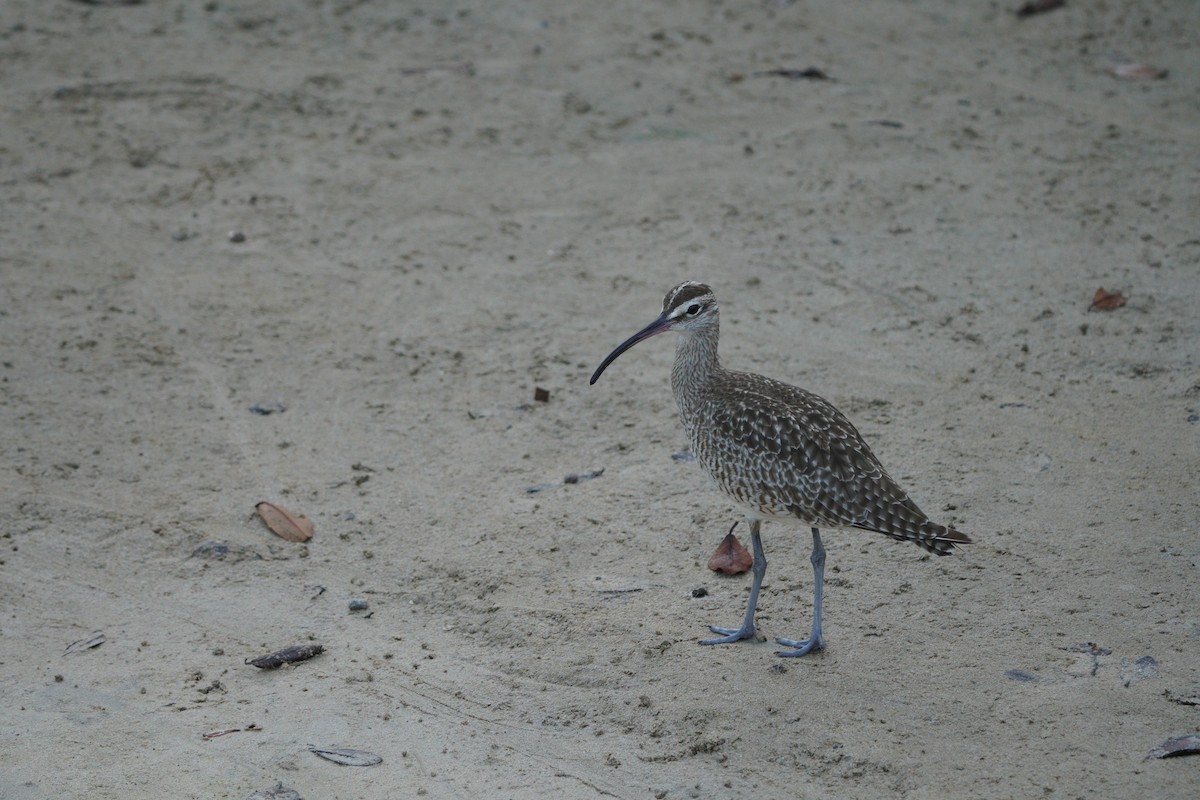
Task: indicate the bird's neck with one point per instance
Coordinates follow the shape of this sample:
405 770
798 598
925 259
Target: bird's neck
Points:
696 363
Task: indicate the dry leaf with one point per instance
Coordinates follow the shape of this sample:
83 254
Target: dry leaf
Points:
284 524
1144 669
267 410
347 756
253 726
1188 697
1039 7
730 557
276 792
79 645
288 655
1183 746
808 73
573 478
1130 71
1106 301
223 732
464 67
583 476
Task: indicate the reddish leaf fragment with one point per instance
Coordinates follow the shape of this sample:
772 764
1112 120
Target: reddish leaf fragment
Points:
284 524
1038 7
730 557
1130 71
253 726
288 655
215 734
1183 746
1106 301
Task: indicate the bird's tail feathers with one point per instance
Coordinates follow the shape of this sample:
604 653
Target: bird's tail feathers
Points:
937 539
940 540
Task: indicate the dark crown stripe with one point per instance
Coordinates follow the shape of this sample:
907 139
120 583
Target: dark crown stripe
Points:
685 293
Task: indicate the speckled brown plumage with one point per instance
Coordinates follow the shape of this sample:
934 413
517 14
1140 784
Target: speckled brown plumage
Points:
778 451
781 452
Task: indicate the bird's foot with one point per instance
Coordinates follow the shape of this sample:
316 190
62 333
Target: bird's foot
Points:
729 635
801 648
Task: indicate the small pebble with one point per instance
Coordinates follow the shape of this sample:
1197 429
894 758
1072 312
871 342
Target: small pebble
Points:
237 237
358 604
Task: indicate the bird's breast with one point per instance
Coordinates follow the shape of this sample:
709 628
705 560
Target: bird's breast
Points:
758 484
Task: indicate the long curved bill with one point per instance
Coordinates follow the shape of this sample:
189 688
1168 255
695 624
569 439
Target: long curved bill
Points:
653 329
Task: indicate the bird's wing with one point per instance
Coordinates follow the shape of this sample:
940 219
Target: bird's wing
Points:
811 459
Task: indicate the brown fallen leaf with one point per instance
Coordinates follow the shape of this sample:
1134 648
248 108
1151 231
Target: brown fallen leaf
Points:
1182 746
253 726
730 557
1130 71
222 732
284 524
1106 301
288 655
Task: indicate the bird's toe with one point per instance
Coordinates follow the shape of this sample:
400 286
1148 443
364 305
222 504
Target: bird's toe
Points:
728 635
799 647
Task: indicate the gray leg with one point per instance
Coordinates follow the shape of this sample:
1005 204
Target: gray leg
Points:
815 641
759 569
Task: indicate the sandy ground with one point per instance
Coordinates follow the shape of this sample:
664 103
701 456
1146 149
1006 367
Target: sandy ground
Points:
446 206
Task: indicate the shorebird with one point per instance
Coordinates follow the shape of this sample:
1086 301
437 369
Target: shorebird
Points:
779 452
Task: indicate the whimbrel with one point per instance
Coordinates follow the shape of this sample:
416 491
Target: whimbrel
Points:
779 452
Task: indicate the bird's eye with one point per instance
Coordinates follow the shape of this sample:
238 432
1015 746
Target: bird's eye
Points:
693 309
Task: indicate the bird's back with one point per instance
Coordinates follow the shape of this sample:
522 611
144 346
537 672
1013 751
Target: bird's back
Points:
782 452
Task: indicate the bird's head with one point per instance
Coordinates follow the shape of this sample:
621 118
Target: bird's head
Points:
688 308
